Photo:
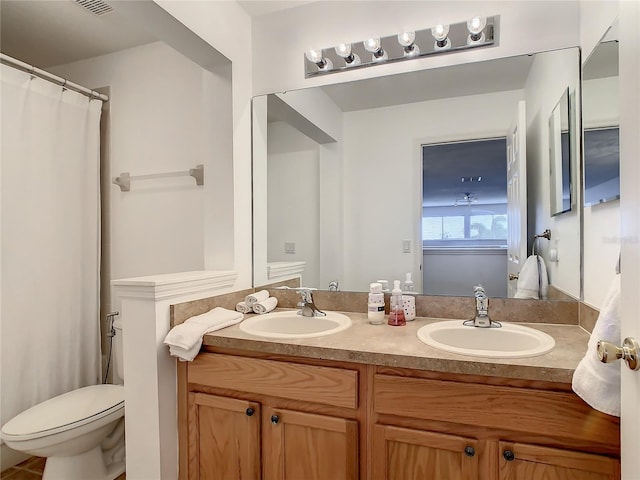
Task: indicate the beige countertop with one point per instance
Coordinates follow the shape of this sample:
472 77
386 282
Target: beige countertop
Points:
400 347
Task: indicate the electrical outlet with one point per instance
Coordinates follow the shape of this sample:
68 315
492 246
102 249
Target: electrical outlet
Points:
406 246
289 247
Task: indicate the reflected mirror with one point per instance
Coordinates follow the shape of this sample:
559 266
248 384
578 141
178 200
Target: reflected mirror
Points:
601 124
560 154
342 182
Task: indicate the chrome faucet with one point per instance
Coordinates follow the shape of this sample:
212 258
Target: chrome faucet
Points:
334 286
306 305
481 318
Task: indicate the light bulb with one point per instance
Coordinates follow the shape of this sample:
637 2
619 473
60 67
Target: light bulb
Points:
350 59
372 44
406 39
314 55
343 50
476 25
440 32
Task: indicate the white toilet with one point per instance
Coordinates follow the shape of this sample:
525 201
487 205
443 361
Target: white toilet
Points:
80 432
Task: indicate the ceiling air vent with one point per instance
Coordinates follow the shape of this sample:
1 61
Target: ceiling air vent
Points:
97 7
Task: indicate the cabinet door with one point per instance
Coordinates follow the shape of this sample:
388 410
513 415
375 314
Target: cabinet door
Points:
304 446
224 438
523 462
405 454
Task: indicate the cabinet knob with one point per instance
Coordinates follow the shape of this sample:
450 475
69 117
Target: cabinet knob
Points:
250 411
509 456
469 451
275 419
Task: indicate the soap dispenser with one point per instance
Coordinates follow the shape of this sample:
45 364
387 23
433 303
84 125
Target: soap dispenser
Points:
396 310
408 283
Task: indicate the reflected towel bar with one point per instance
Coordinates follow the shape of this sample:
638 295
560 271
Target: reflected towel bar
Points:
546 234
124 179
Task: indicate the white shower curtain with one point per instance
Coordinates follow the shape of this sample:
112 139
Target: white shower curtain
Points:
49 255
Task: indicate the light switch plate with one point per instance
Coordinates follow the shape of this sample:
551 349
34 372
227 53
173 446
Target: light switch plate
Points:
289 247
406 246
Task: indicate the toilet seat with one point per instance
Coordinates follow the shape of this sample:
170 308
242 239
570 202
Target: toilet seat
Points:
65 412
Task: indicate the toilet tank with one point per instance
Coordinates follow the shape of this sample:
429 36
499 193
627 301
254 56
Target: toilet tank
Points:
118 363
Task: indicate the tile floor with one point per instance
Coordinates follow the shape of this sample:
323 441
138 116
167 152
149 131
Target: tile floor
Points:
31 469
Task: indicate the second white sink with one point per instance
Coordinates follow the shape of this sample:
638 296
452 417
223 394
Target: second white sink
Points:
508 341
288 324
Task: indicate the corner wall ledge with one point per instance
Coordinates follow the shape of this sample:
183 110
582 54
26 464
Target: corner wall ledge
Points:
174 284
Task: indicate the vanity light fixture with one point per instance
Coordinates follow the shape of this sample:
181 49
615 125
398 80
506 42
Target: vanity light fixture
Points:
408 42
315 55
408 45
476 30
374 46
440 33
345 51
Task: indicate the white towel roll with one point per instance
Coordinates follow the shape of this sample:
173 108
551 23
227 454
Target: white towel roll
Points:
242 307
256 297
598 383
265 306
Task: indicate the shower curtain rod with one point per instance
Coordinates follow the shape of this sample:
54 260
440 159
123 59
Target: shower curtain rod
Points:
63 82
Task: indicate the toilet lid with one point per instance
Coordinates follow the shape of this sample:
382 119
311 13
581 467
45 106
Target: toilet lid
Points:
66 411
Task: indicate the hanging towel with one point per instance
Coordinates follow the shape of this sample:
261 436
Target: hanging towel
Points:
533 281
242 307
184 340
598 383
265 306
256 297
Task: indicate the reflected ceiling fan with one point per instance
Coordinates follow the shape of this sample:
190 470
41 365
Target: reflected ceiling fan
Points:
467 199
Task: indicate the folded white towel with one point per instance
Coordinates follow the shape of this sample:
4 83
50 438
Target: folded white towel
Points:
242 307
595 382
533 281
184 340
256 297
265 306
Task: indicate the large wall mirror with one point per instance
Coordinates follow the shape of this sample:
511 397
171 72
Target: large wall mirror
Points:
406 176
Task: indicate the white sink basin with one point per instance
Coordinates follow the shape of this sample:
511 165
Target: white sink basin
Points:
508 341
289 324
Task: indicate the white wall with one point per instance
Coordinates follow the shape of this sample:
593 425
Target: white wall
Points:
157 227
550 75
383 177
280 39
601 222
293 200
227 27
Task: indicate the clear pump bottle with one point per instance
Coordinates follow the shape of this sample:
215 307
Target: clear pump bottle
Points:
396 310
375 307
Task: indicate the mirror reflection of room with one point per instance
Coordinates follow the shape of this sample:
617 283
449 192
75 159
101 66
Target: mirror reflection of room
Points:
363 179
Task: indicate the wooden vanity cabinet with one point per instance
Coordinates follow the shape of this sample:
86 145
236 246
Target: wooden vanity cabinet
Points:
272 417
253 418
432 428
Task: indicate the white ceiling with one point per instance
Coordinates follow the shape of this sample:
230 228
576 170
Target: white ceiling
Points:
257 8
45 33
53 32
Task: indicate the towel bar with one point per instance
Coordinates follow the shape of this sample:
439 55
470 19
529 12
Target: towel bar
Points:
124 179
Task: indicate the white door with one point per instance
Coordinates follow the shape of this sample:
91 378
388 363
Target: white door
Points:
629 51
516 196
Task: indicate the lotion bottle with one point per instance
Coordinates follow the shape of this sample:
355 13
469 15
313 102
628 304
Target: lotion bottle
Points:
396 310
375 307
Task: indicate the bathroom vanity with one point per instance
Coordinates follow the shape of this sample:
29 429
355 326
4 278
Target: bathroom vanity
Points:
375 403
